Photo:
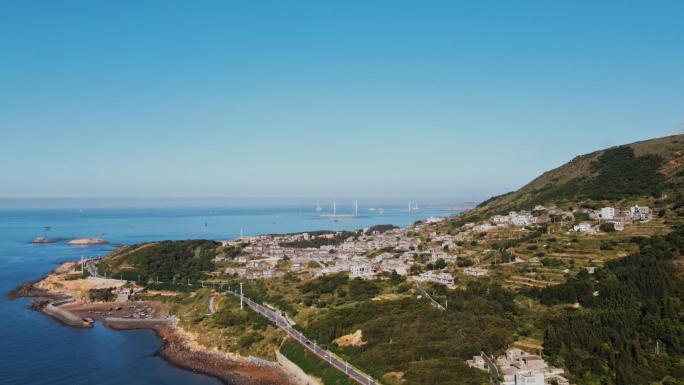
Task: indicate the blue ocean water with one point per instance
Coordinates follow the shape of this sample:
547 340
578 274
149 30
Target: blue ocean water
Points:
35 349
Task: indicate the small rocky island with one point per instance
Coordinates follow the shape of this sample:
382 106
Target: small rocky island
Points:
43 240
86 242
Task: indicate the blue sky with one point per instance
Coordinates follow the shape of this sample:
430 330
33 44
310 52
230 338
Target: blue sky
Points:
372 99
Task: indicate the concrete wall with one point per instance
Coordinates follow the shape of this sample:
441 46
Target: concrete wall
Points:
133 323
65 316
295 372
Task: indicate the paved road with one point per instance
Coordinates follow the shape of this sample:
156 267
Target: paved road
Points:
426 295
325 355
211 305
493 370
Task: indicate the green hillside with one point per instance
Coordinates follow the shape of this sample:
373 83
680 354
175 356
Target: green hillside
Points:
644 169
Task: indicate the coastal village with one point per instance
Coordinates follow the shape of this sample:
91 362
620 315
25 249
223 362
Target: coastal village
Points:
429 251
401 250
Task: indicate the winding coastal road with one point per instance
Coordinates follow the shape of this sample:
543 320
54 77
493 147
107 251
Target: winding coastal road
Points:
325 355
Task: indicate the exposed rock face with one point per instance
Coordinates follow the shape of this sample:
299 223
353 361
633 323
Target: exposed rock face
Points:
353 339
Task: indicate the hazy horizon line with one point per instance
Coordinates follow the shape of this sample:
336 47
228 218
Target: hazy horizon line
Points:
234 201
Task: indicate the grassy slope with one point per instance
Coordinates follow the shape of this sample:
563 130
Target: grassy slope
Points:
313 365
670 148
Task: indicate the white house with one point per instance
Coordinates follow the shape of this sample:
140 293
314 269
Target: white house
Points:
475 271
529 378
361 270
521 219
500 219
640 213
484 227
434 219
443 278
608 212
478 363
584 227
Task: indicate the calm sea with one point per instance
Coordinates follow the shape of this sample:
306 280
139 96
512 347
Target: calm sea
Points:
34 349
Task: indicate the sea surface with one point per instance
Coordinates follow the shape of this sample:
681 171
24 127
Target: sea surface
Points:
35 349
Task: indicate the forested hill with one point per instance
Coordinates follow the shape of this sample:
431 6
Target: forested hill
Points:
628 324
642 169
165 261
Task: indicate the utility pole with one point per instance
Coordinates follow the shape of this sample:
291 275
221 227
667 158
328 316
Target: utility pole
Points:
240 295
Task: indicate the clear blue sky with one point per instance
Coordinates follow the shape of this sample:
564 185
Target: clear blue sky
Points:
415 99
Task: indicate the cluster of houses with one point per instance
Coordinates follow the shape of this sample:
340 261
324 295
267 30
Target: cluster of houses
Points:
540 215
618 217
521 368
355 255
255 268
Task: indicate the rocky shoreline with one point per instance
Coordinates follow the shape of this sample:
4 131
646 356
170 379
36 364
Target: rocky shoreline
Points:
29 290
174 348
230 372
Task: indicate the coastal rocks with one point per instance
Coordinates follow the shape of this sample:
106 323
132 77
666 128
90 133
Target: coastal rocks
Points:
73 242
29 290
42 240
228 371
86 242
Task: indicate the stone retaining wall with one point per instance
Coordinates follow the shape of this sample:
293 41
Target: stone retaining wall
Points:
296 373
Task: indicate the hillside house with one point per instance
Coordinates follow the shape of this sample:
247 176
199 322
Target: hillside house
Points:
361 270
475 271
607 213
443 278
